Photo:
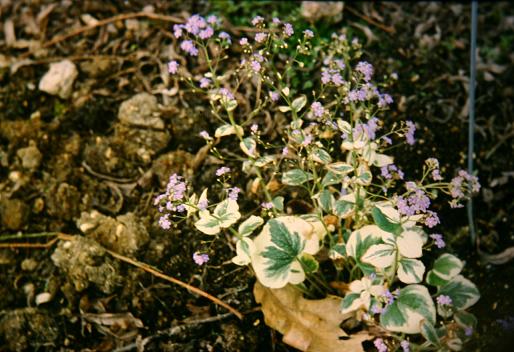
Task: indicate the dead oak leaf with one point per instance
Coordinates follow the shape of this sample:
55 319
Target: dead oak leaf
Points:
308 325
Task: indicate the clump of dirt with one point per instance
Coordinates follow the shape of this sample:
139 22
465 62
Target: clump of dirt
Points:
84 263
124 235
28 328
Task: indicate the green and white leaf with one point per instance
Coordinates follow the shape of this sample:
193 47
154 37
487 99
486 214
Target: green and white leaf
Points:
410 244
340 168
380 160
363 175
380 255
264 160
190 209
227 130
244 249
208 224
430 334
309 264
284 108
299 103
445 268
344 126
351 302
227 213
250 225
343 208
384 222
411 307
249 147
331 178
296 177
326 200
410 271
463 292
278 203
320 155
279 248
465 319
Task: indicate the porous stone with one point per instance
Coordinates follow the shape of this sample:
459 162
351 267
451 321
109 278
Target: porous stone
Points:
59 79
30 157
141 110
124 235
85 262
14 213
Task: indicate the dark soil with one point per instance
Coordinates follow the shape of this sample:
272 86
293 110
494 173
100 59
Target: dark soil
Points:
80 159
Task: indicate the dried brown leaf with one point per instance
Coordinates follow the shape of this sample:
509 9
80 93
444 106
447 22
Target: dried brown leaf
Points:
308 325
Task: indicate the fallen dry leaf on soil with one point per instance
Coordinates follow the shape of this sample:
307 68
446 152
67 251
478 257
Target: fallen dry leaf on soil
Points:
308 325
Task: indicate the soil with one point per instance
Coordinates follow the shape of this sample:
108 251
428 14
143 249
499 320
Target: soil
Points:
75 166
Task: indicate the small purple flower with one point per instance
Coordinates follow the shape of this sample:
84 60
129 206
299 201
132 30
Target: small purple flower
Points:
389 297
206 33
205 82
307 140
261 37
308 33
337 79
204 135
439 242
267 205
432 219
243 41
409 135
189 47
256 66
317 109
274 96
226 93
212 20
405 346
164 222
181 208
387 140
340 64
325 77
225 36
376 309
200 259
288 29
172 67
257 20
233 193
177 30
222 170
276 20
285 151
194 24
444 300
380 345
254 128
366 69
468 331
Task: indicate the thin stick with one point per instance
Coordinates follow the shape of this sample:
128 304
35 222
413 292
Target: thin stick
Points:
387 29
29 245
122 17
157 273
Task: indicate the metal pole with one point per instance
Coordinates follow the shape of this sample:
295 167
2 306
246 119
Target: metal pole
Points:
471 123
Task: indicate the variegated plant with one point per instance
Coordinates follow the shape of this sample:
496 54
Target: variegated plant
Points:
366 225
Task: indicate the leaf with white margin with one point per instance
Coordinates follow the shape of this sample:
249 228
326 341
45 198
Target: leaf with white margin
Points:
331 178
405 314
340 168
380 255
264 160
249 147
190 208
344 126
284 108
351 302
463 292
410 271
250 225
244 250
360 240
296 177
381 160
227 213
208 224
384 221
326 200
299 103
410 244
320 155
445 268
389 210
227 130
430 334
278 246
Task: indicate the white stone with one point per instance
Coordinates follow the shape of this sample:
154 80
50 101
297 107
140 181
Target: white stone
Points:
59 79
